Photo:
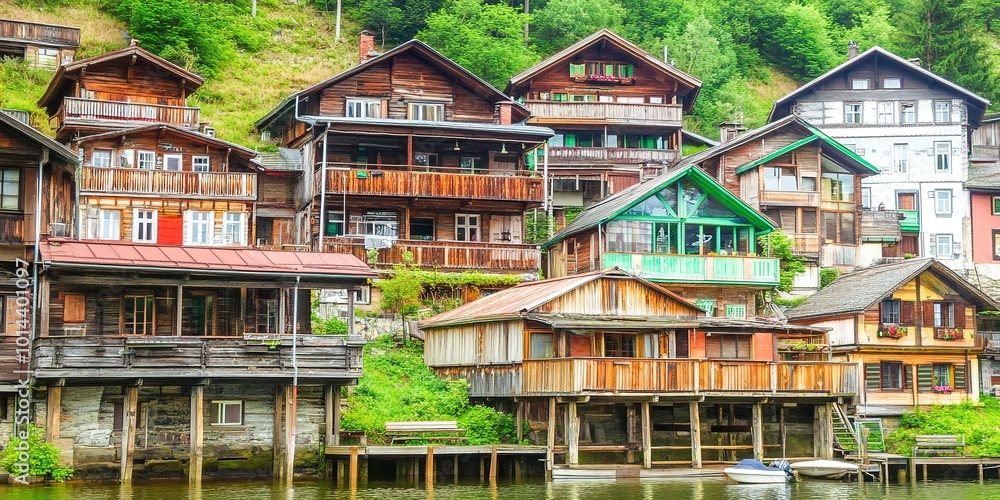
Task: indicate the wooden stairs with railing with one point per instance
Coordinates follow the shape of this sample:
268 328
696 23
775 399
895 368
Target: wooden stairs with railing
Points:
847 429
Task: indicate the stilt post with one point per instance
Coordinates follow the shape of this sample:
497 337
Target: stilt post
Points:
647 437
757 432
197 445
131 405
695 435
354 468
493 466
429 467
572 434
53 413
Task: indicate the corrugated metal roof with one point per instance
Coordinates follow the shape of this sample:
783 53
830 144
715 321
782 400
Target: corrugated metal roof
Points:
282 159
591 321
528 132
29 133
74 253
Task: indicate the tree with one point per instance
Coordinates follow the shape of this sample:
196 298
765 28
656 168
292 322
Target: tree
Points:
485 39
396 20
873 29
563 22
802 43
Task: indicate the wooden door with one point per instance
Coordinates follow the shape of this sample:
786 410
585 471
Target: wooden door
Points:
906 201
170 229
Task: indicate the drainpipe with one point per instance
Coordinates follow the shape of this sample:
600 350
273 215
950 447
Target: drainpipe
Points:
36 258
295 379
322 193
546 191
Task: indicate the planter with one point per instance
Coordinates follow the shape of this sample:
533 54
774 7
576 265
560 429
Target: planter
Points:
892 331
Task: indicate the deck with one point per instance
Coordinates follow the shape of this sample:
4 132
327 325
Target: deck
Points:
411 181
44 34
166 183
727 269
446 255
610 113
591 155
116 114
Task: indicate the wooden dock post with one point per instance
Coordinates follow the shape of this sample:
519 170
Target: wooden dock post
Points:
53 413
493 466
757 432
197 444
912 470
482 469
331 407
131 405
520 421
550 440
695 435
647 437
278 464
454 469
364 470
925 472
572 434
630 418
353 477
429 467
823 431
980 467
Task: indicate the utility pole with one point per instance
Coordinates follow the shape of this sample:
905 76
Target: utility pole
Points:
525 23
253 8
336 36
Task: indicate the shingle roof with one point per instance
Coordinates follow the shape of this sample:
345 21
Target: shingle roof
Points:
29 133
282 159
983 176
854 292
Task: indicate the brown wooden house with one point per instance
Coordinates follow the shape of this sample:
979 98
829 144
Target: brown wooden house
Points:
612 366
124 88
616 111
168 185
407 151
41 45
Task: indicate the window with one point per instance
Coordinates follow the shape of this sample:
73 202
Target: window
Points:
942 112
996 244
582 97
143 226
736 310
471 164
425 159
199 227
10 188
334 223
560 96
942 201
422 228
173 162
942 156
425 111
375 223
577 70
110 225
619 345
944 314
145 160
866 197
718 345
631 236
74 308
892 82
780 179
47 58
907 112
886 112
996 205
126 158
859 84
363 108
838 186
541 346
466 227
941 374
200 163
267 315
226 413
890 311
891 375
838 227
233 229
100 158
900 158
942 246
852 112
138 317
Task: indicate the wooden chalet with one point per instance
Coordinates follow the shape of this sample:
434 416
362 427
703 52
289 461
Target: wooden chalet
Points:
280 181
910 326
134 340
616 111
166 184
808 184
41 45
611 365
683 230
411 152
124 88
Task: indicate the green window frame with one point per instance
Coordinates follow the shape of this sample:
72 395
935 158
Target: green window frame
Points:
736 310
577 69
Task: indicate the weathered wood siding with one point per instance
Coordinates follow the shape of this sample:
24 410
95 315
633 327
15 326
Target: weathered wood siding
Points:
76 111
46 34
499 185
615 297
447 255
482 343
141 82
165 143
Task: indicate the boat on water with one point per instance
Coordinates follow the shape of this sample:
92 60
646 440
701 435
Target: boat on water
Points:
752 471
824 469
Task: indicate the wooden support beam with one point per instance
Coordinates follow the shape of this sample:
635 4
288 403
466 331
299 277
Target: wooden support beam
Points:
782 430
354 467
630 431
197 445
53 413
454 469
823 431
416 470
493 466
647 437
43 305
757 432
131 406
572 434
520 421
179 312
278 465
550 439
429 467
980 468
695 417
482 469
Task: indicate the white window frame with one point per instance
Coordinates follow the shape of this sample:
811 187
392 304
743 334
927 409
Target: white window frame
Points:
860 83
93 157
942 156
220 412
10 199
193 220
907 118
201 164
109 225
853 112
866 197
126 158
942 202
897 82
144 218
356 107
468 222
949 251
886 112
900 157
995 207
145 160
234 223
168 158
942 111
421 111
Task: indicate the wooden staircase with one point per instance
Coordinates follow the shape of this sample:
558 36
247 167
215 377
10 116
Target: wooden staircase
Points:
847 431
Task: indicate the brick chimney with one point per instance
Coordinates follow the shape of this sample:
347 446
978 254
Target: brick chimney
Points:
852 50
366 46
506 112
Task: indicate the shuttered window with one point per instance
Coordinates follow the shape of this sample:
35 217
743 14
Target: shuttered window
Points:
619 345
718 345
809 221
74 308
892 375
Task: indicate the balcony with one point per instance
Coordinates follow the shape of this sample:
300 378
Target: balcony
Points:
755 271
609 376
447 255
617 113
75 111
612 155
40 33
881 226
910 222
434 182
805 243
168 183
990 342
790 198
326 357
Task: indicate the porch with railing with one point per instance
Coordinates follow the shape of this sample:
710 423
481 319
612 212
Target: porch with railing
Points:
445 255
612 155
161 183
75 110
611 112
38 32
434 182
672 268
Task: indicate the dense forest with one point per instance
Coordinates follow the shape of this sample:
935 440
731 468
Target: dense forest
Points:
747 52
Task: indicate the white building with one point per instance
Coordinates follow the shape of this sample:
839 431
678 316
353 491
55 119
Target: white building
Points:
915 127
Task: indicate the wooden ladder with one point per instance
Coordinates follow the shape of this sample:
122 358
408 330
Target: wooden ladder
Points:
844 436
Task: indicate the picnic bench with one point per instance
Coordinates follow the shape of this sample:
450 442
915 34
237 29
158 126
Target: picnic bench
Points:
938 443
443 430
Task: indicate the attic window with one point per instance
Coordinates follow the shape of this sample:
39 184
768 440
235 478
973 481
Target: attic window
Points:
893 82
859 84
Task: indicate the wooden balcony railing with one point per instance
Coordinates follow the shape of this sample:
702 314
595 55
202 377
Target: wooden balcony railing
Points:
612 155
38 32
790 198
881 225
618 375
92 110
446 255
989 341
672 268
165 183
434 182
611 112
805 244
11 228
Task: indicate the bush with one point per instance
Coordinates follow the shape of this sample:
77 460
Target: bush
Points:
827 276
484 425
43 457
332 326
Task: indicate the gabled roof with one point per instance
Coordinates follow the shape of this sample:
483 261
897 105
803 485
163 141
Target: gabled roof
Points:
480 87
979 103
615 205
843 156
607 35
28 133
133 52
241 150
854 292
525 297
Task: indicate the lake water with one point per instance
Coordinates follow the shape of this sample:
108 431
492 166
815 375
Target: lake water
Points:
672 489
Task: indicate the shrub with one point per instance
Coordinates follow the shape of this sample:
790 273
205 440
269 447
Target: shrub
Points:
827 276
331 326
43 457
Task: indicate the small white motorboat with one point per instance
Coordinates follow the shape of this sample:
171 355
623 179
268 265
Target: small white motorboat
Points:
824 469
752 471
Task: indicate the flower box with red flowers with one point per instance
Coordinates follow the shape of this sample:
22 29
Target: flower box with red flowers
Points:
892 331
